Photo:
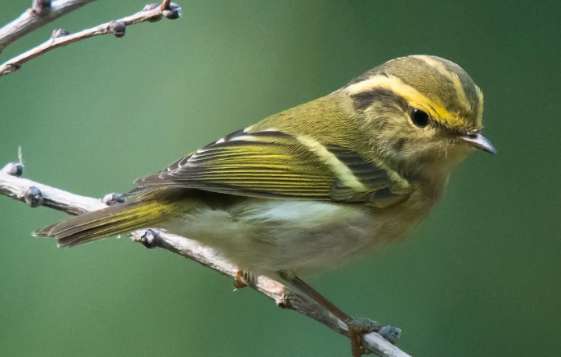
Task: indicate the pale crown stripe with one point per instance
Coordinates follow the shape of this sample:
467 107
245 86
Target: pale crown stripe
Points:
453 77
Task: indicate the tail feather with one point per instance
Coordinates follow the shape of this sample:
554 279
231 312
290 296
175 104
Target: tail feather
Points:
109 221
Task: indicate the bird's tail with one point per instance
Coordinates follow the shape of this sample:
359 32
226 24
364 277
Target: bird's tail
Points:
118 219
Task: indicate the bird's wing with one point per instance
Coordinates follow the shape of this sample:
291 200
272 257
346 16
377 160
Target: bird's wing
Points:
274 164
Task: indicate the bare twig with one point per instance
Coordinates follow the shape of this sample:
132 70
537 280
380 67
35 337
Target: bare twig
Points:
60 38
40 13
35 193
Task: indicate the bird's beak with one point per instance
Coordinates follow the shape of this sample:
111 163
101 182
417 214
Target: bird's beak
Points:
480 142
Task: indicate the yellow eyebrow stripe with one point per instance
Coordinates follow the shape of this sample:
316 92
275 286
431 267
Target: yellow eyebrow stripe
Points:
451 76
415 98
341 171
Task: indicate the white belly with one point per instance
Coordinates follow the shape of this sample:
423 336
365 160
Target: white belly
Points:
265 236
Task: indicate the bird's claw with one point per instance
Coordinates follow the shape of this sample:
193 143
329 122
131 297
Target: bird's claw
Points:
243 279
361 326
240 280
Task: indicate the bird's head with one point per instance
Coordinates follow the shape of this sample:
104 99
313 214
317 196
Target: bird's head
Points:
421 113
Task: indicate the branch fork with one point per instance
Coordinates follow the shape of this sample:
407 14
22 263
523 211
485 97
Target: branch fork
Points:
43 11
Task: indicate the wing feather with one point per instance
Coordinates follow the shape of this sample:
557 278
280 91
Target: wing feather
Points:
275 164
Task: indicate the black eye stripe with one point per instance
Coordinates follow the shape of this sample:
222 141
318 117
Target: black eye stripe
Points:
420 118
364 99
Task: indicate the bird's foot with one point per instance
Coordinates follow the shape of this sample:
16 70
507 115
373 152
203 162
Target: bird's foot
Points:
242 279
359 327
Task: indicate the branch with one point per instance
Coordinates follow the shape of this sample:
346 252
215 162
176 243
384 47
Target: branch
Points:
40 13
60 38
36 194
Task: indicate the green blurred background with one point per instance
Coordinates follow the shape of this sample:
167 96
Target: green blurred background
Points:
481 277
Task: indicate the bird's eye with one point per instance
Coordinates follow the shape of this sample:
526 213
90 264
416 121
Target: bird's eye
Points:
419 118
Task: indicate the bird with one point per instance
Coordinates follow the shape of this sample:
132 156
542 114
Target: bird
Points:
310 188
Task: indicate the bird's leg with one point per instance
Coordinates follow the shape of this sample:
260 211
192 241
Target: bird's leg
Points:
357 327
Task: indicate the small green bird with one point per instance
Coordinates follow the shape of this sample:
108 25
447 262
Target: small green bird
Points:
311 187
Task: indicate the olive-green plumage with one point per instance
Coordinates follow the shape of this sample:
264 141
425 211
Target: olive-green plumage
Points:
310 187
